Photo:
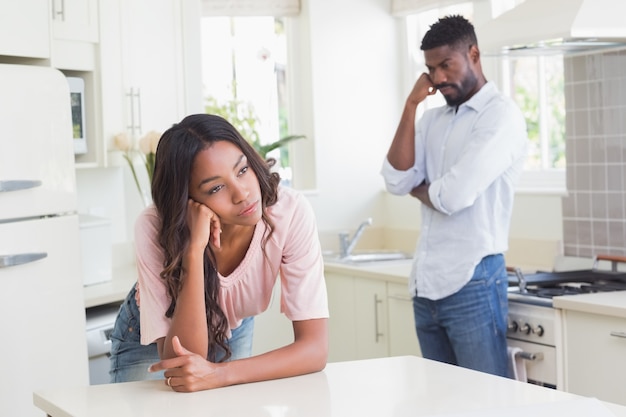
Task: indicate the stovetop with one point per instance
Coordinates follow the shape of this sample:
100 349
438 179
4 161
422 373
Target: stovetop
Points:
545 285
572 288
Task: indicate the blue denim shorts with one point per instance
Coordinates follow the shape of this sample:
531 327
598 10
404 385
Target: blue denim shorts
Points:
130 359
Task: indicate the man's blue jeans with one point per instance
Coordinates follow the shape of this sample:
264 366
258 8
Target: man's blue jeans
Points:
468 328
130 359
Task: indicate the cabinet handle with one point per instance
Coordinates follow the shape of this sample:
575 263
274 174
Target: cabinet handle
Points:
529 356
16 185
377 332
21 258
134 124
619 334
58 12
400 297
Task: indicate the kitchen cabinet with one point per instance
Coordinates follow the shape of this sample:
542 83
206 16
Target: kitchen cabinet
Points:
75 34
342 311
75 20
595 347
141 68
272 329
594 336
25 28
402 336
358 327
62 30
369 318
372 335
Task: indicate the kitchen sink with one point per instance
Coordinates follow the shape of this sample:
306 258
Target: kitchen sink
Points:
359 257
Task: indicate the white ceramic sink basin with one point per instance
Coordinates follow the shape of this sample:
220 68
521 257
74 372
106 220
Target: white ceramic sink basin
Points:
367 256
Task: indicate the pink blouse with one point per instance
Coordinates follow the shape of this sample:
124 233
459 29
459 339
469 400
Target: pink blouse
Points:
293 253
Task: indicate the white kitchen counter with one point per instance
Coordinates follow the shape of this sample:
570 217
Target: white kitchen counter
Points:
397 386
112 291
605 303
393 271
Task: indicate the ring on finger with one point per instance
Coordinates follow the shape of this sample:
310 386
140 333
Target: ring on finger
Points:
168 381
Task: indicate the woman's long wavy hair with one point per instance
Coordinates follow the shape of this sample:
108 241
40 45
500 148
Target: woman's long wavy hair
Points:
175 156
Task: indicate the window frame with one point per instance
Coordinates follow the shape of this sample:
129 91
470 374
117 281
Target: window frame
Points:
300 105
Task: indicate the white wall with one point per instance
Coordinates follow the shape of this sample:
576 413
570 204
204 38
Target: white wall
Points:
355 56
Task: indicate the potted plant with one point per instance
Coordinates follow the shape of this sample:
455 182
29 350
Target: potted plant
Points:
243 117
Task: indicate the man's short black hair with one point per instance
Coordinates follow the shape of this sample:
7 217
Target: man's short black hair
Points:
453 31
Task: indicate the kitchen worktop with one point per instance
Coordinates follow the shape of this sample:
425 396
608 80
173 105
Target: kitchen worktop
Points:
396 386
115 290
606 303
394 271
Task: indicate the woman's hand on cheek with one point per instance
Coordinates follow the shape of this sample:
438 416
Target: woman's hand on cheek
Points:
203 224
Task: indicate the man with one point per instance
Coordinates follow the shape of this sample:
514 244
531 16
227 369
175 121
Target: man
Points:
460 161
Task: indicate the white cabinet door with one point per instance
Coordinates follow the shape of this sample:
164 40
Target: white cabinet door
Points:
371 318
402 336
75 20
141 62
342 321
75 34
595 348
153 62
358 318
42 313
25 28
272 329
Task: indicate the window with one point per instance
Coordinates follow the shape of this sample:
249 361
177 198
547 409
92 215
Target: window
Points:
536 83
244 77
416 26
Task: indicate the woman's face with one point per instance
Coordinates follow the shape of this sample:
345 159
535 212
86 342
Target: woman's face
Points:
222 180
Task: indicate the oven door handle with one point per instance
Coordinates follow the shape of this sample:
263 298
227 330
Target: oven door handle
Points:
530 356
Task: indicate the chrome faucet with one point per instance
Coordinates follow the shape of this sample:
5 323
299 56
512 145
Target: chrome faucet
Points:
346 245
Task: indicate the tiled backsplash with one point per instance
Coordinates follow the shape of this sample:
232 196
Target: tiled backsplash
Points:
594 214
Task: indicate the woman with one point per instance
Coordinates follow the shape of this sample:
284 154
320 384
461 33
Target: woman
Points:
209 251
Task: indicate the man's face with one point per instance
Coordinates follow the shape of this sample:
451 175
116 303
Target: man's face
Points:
453 72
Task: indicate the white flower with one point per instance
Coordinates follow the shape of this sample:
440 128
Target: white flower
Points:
148 143
121 142
146 153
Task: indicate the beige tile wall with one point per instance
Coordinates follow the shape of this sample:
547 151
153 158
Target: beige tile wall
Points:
594 216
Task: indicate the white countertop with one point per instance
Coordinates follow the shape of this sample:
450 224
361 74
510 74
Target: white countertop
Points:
397 386
112 291
605 303
394 271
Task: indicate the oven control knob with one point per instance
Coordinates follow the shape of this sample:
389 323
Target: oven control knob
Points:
538 330
512 326
525 328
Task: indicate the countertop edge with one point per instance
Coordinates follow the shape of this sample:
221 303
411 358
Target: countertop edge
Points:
115 290
389 271
606 303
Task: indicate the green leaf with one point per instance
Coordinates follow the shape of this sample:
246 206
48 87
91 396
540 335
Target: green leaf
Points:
265 149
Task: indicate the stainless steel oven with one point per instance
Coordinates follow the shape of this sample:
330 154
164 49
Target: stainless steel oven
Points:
535 325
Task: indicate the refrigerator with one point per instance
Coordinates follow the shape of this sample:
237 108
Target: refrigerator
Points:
42 314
